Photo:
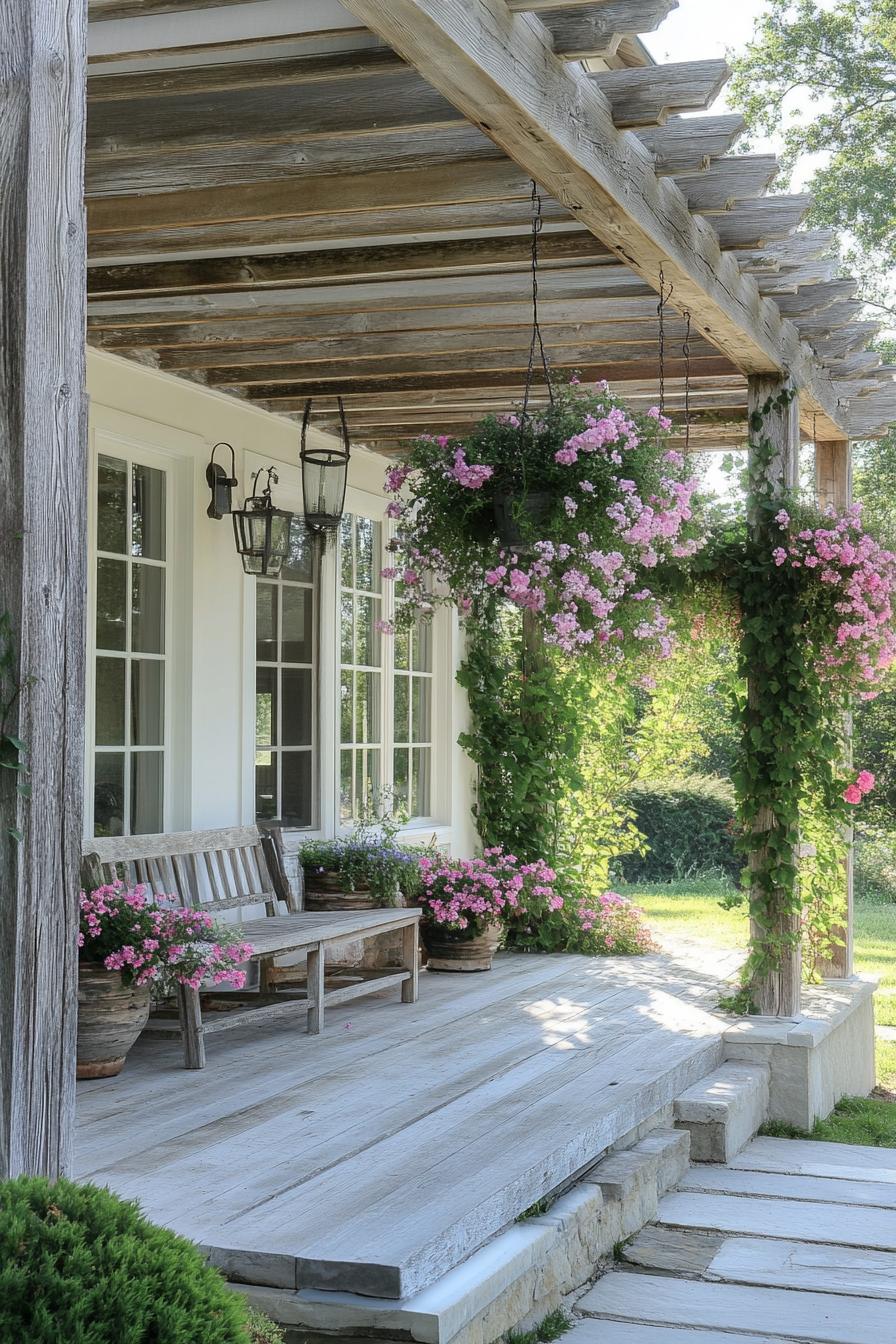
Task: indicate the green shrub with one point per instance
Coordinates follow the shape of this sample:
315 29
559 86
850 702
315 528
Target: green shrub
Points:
262 1330
688 825
80 1266
875 866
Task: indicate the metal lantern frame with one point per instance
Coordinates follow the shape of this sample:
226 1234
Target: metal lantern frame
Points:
263 549
316 463
220 484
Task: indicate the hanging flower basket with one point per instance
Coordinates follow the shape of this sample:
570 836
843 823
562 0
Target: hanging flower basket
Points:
518 516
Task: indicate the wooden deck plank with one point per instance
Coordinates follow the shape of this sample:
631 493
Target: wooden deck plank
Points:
778 1312
793 1220
808 1157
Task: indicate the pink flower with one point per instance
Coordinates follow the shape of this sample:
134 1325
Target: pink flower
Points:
782 518
385 627
852 795
865 781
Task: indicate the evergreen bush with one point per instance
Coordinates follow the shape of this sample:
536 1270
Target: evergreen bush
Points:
688 826
80 1266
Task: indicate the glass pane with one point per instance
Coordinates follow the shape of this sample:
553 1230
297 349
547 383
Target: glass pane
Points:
367 707
299 563
111 505
148 516
110 682
346 731
146 792
298 624
296 707
111 604
420 771
400 778
346 551
402 648
369 783
266 706
423 647
108 793
265 785
147 609
266 622
422 709
367 638
368 564
147 702
402 731
298 802
347 646
345 785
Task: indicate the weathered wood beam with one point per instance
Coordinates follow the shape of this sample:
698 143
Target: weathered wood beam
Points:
683 144
126 9
727 180
552 118
219 334
596 30
833 318
836 344
646 95
815 298
755 223
340 265
777 990
43 573
799 249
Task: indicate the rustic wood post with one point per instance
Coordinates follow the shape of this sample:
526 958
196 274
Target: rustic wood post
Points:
43 536
833 485
777 992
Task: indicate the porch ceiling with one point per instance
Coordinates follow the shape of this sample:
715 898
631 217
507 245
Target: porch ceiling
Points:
280 206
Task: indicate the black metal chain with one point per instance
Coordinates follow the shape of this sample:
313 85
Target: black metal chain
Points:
661 314
537 342
686 351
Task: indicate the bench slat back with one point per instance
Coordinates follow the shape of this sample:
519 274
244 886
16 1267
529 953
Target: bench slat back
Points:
217 870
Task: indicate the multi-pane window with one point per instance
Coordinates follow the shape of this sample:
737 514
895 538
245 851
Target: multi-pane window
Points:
376 671
361 676
130 643
285 687
412 719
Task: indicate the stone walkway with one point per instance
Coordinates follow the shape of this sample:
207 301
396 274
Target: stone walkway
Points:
791 1242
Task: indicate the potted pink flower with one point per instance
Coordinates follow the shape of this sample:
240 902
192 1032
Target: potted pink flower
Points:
130 945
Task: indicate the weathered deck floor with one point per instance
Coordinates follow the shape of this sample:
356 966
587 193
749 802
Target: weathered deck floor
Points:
375 1157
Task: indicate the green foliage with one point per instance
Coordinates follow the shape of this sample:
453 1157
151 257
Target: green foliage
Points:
551 1328
262 1330
79 1265
875 865
12 748
369 857
866 1121
688 829
824 76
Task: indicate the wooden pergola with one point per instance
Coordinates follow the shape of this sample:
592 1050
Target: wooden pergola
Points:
297 198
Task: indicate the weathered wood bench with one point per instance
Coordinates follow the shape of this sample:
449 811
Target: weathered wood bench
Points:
234 870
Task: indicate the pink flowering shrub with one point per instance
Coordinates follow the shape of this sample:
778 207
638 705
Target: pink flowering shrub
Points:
535 908
157 944
571 514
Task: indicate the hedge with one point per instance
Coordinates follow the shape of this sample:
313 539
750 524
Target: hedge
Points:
688 827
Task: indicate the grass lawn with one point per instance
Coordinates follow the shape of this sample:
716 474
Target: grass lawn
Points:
690 909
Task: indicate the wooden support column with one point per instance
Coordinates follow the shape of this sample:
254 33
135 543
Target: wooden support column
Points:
833 485
43 539
777 993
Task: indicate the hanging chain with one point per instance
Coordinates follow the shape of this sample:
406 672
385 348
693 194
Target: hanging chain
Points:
661 314
537 342
686 350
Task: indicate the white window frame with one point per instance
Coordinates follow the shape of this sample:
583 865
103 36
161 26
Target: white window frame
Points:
119 435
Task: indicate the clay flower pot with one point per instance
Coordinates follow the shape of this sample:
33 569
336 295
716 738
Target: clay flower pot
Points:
111 1015
458 950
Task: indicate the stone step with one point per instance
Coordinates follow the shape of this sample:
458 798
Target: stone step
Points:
781 1185
723 1112
788 1219
809 1157
778 1313
627 1332
770 1263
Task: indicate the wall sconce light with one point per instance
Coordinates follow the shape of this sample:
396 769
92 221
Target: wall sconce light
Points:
220 484
324 477
262 531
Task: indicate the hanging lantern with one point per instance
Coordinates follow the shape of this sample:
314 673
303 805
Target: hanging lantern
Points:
220 484
261 531
324 477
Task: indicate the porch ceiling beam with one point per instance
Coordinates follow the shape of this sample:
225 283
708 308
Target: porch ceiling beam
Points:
756 223
724 182
596 30
815 298
798 249
646 95
683 144
643 368
553 120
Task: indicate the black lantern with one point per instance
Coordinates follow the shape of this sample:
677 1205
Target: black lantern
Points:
220 484
261 531
324 476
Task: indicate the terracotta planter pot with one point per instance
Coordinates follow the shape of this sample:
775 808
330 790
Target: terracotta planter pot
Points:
448 950
110 1018
325 891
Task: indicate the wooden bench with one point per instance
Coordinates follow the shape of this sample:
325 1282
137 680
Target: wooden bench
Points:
235 870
